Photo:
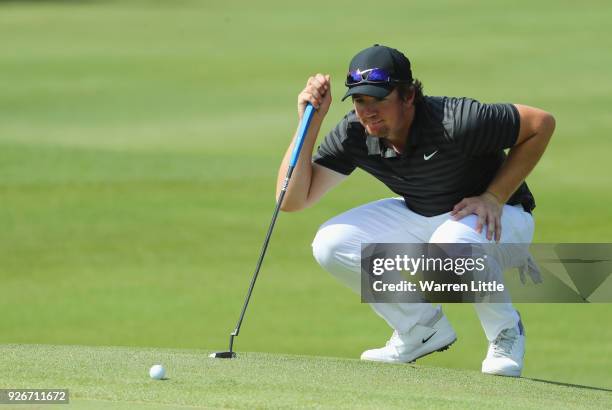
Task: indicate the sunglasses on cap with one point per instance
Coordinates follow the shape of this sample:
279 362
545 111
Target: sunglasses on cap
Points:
370 76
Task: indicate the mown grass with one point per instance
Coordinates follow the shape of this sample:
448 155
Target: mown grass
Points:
117 377
139 143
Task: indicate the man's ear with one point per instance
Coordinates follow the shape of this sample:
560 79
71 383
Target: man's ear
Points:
412 95
409 100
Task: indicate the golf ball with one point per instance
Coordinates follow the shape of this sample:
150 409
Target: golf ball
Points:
157 372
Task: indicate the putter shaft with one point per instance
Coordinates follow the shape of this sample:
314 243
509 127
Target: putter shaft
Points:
301 134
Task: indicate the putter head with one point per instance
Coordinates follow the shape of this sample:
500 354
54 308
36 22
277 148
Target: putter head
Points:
223 355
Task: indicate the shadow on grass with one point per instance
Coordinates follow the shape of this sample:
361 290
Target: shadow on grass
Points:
578 386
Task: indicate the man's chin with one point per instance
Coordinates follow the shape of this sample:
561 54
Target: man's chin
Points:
377 132
380 131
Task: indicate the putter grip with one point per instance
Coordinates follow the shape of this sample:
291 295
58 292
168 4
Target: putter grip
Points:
302 130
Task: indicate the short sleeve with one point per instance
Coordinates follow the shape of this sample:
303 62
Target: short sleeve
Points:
484 128
332 153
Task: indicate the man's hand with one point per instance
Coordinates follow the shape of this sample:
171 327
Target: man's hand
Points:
318 93
487 208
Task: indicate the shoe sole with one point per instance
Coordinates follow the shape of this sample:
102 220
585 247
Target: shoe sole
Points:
442 349
513 374
501 373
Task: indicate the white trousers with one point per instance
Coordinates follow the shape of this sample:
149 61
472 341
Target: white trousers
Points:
337 248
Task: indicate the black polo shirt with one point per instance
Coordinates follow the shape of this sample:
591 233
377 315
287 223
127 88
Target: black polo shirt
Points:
454 150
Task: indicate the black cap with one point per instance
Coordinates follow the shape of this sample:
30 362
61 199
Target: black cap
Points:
377 56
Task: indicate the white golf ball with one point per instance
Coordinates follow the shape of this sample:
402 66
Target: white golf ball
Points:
157 372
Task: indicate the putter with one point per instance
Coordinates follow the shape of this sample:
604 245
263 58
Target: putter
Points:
302 130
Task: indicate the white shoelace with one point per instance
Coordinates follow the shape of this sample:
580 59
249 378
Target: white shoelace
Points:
503 344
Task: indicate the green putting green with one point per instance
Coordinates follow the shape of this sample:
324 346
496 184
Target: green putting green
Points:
117 377
139 144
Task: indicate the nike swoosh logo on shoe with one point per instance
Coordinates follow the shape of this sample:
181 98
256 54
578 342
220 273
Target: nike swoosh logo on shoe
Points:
430 336
427 157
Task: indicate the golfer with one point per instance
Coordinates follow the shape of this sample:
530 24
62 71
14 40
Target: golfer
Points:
445 158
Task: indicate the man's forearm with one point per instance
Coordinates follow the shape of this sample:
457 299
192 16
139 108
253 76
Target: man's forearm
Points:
299 186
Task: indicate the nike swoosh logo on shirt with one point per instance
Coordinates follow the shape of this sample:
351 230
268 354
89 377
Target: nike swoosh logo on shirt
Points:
430 336
427 157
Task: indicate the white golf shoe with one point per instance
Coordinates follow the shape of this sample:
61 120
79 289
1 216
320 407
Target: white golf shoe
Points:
421 340
506 353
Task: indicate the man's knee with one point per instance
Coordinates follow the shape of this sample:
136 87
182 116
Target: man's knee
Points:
336 244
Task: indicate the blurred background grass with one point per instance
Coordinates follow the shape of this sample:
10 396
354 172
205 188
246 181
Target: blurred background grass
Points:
139 143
